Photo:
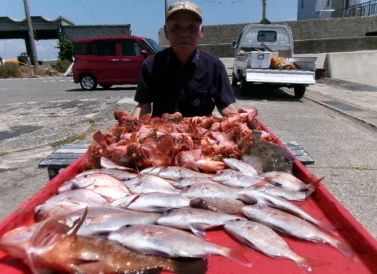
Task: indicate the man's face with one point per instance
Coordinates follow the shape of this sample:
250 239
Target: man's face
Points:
184 31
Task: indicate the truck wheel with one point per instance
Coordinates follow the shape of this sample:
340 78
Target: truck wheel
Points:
234 80
299 91
244 86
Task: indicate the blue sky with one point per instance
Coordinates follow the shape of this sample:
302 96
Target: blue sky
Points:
146 17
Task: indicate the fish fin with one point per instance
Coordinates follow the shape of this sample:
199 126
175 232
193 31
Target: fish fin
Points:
313 185
237 254
346 249
99 138
199 228
78 223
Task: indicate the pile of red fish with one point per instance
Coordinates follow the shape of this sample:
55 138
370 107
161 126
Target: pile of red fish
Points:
197 143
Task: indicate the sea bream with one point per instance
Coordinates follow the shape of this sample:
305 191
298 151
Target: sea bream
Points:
68 201
171 242
292 225
103 220
195 219
156 202
145 183
210 189
251 196
241 166
234 178
51 246
174 172
260 237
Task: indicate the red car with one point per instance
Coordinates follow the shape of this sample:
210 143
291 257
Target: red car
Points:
112 60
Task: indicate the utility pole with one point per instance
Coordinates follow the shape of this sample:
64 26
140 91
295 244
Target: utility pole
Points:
166 8
33 57
264 13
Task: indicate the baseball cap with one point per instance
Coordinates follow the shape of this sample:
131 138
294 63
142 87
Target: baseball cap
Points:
184 6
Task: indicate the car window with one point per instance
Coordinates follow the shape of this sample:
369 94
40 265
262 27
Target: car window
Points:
266 36
152 46
104 48
131 47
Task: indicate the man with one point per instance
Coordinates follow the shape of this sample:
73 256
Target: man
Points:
183 78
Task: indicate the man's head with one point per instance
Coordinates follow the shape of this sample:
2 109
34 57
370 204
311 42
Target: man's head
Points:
184 6
184 28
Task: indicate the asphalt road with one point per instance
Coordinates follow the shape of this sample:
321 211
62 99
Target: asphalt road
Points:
35 113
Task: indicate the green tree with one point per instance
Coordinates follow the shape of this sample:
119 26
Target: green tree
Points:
65 47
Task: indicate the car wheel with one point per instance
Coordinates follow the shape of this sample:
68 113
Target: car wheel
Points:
106 86
299 91
88 82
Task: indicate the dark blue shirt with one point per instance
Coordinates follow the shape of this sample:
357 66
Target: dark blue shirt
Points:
193 89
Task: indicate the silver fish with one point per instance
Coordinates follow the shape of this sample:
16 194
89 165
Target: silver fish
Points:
194 219
288 194
158 202
69 201
289 181
103 220
235 178
172 242
294 226
105 185
145 183
210 189
219 204
174 172
260 237
262 199
241 166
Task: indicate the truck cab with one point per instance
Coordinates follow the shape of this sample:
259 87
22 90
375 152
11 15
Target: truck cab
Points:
264 54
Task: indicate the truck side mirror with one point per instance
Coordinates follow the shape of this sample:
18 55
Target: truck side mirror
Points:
144 53
234 44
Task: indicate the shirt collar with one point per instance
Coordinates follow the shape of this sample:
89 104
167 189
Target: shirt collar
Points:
173 58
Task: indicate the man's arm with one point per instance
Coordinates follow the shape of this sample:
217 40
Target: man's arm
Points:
141 109
228 110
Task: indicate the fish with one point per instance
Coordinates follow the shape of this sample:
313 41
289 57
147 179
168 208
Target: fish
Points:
289 181
103 220
105 185
260 237
194 219
233 178
288 194
68 201
272 156
174 172
219 204
145 183
172 242
157 202
241 166
51 246
263 199
292 225
210 189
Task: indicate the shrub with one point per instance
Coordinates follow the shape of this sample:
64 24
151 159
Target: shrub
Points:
10 70
65 47
62 65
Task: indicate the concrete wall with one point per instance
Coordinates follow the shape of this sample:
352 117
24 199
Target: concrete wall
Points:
359 67
310 36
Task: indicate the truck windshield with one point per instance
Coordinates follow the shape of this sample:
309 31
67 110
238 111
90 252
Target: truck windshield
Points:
266 36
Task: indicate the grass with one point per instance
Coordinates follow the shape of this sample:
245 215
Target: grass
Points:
4 154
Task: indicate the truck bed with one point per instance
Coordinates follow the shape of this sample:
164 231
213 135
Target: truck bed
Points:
322 205
281 76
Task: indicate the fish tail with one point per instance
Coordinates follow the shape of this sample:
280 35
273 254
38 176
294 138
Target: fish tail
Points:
346 249
313 185
99 138
237 254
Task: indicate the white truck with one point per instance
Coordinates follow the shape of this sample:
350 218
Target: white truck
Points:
264 54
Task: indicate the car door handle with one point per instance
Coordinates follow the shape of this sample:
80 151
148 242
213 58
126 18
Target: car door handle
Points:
114 60
125 60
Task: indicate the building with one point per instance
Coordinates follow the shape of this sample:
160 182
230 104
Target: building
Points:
322 9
